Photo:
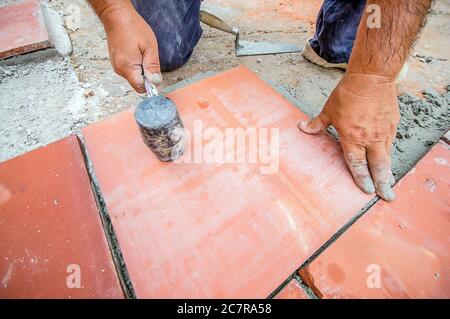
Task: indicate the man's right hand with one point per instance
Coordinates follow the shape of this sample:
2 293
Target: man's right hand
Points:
133 47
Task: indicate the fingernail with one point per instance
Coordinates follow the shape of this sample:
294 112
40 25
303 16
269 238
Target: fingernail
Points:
303 126
386 192
367 185
155 78
140 89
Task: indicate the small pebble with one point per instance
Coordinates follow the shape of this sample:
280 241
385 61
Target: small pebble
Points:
89 93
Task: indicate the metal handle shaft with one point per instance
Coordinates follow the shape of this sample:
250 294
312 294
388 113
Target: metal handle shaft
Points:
150 88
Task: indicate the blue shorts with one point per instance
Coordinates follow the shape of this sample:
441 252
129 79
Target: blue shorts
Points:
176 24
336 28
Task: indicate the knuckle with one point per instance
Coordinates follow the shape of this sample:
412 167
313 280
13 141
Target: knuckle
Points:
150 57
358 163
359 167
378 157
118 59
381 173
353 137
119 68
151 63
379 135
121 64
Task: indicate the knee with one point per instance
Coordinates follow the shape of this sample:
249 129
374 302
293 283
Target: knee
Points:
176 47
170 42
172 56
176 25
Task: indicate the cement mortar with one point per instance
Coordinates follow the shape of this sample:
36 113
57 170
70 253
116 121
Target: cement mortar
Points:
422 124
57 31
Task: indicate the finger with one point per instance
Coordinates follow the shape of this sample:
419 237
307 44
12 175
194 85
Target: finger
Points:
133 74
151 66
314 126
379 165
388 146
355 156
389 152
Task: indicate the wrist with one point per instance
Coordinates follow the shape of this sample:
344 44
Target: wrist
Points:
113 12
364 79
377 73
366 85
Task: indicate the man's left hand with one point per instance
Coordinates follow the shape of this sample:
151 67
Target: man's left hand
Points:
364 110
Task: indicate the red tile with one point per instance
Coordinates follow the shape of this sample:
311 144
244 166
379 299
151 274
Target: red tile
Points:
49 225
22 29
406 242
292 290
211 230
274 14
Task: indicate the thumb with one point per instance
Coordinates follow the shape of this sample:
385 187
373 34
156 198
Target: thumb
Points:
314 126
134 76
150 64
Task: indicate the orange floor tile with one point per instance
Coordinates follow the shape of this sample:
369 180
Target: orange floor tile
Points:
292 290
22 29
52 243
248 15
230 230
396 250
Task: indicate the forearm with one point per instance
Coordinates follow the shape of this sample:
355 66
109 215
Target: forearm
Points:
105 9
383 51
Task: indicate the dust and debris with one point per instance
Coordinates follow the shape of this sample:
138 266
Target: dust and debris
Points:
42 101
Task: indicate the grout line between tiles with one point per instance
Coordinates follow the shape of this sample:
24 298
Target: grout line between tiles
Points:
338 234
280 287
341 231
119 262
327 244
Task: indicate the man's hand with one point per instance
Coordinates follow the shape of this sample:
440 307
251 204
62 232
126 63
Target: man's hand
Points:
133 47
364 110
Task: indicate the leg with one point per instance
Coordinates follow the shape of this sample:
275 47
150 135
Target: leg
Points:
336 29
176 24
